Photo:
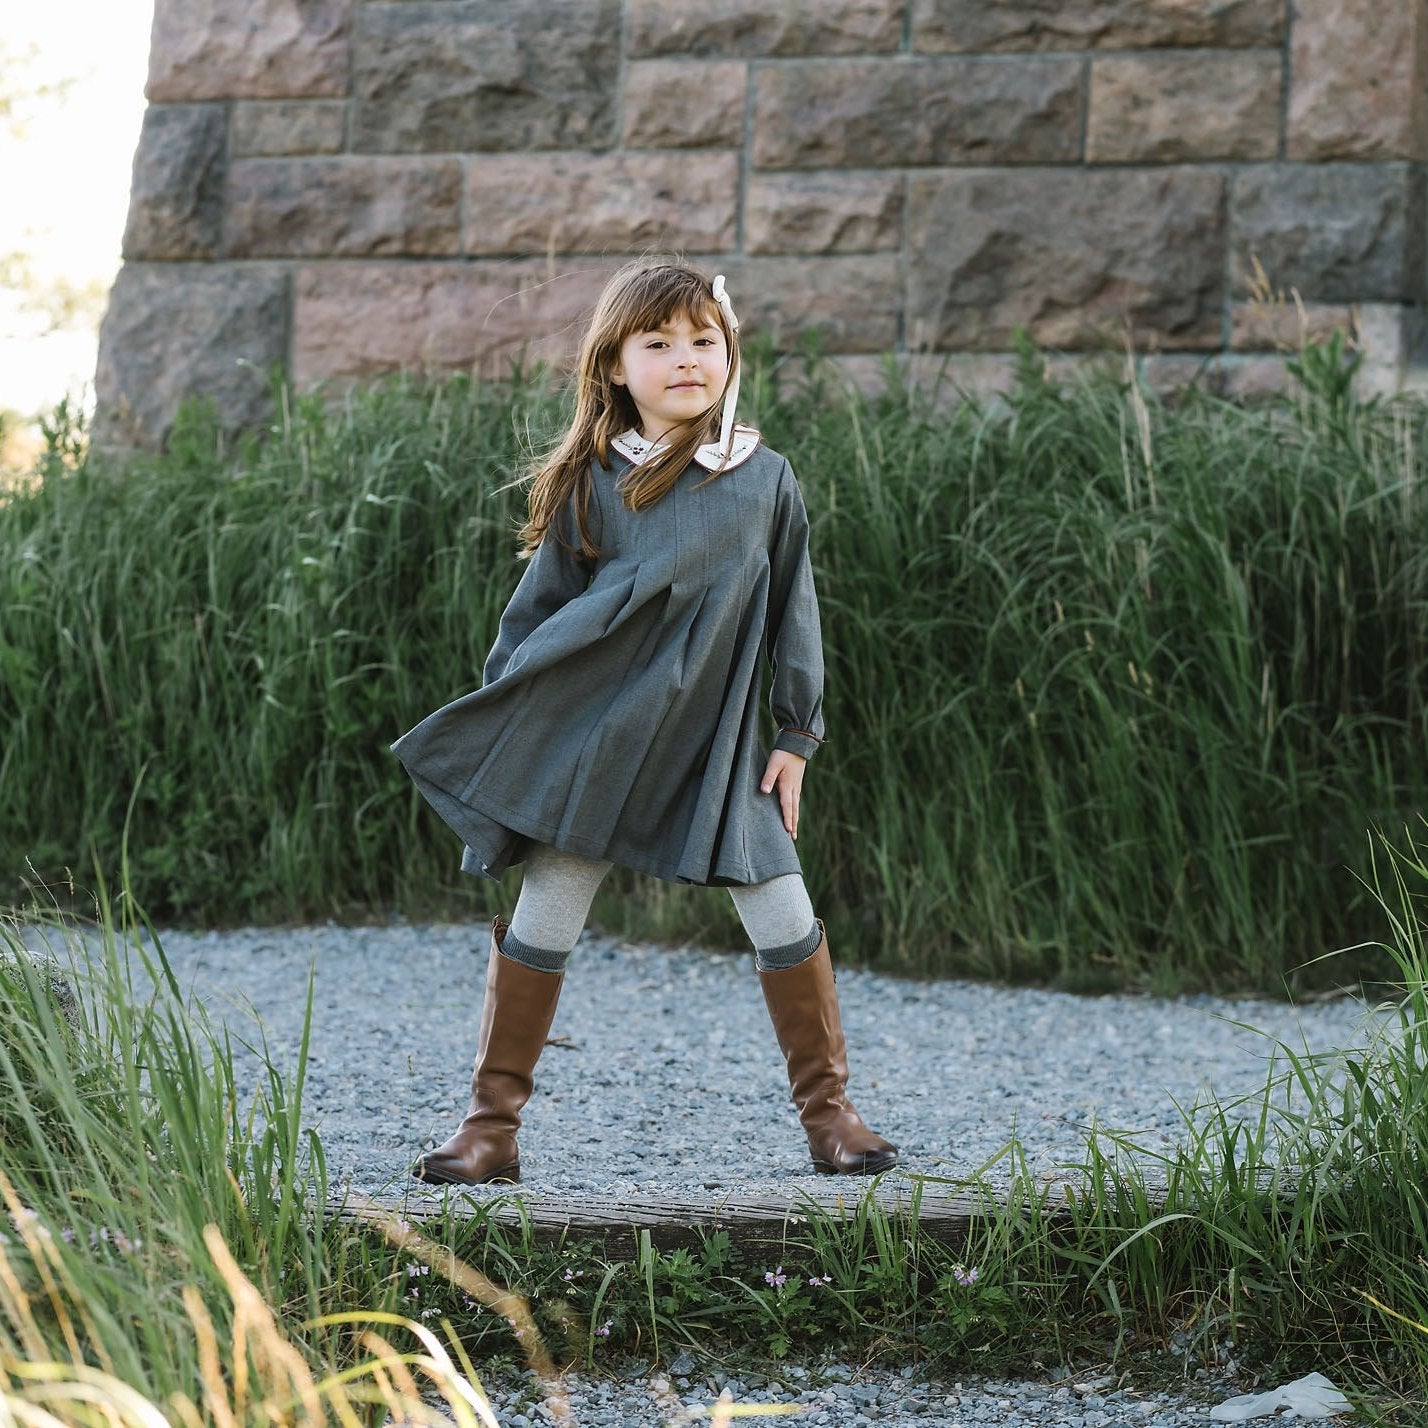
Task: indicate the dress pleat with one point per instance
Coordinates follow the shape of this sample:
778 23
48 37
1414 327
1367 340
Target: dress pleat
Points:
618 715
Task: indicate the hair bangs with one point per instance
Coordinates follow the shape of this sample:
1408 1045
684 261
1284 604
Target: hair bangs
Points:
661 296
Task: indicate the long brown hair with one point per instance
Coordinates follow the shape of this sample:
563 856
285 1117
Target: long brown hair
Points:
642 295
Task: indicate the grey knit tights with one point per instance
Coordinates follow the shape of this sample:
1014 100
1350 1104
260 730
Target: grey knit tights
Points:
558 889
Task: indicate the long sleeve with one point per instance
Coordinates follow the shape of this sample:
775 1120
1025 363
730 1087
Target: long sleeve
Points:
794 635
552 578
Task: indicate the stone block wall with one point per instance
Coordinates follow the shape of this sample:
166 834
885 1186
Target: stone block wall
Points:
348 187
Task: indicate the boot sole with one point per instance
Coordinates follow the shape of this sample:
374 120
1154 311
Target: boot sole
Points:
509 1174
873 1164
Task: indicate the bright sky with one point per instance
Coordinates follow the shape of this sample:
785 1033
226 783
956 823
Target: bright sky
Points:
64 185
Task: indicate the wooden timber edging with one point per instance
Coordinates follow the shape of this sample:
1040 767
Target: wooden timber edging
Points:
671 1223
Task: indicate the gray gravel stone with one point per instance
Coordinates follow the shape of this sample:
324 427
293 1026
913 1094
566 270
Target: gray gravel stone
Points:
670 1049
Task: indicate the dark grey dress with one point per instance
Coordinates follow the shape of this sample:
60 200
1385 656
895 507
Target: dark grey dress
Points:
618 712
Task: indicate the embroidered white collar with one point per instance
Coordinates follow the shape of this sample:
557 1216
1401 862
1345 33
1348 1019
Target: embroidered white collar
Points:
746 439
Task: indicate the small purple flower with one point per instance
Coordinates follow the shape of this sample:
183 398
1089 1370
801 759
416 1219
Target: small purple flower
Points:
964 1276
604 1330
776 1277
817 1280
67 1234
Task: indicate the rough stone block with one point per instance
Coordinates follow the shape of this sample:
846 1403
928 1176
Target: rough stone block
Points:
1194 104
676 104
823 213
938 111
176 195
756 27
948 379
358 320
1077 257
981 25
577 202
346 207
853 301
1285 327
1334 232
943 379
475 75
1358 69
1385 333
1388 335
287 126
256 49
1238 378
1252 379
175 329
861 374
1169 373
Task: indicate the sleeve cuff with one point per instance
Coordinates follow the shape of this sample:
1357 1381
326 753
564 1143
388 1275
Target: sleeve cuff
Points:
798 741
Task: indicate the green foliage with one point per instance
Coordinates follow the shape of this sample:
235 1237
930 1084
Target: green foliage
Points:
125 1138
230 644
1296 1215
1326 372
1114 686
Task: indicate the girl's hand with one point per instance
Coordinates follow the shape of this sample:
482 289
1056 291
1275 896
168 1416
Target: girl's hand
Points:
786 771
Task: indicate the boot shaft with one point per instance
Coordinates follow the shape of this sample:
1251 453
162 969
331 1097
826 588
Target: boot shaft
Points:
803 1006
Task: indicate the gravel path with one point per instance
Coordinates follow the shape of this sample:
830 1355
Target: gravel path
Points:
842 1395
665 1077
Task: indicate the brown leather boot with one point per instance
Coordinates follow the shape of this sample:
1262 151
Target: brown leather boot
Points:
515 1021
803 1006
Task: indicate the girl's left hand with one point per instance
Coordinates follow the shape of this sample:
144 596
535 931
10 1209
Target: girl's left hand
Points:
786 771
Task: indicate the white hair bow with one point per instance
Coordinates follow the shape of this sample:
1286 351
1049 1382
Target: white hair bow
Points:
731 393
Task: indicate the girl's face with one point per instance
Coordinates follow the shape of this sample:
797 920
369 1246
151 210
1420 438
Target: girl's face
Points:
674 372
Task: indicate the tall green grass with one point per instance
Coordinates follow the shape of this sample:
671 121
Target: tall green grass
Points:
1121 685
168 1252
1298 1215
125 1139
1115 686
221 644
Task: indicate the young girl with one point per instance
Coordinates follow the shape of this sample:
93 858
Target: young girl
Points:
617 719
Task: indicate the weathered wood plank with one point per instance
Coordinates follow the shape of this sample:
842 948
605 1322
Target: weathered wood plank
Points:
671 1222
